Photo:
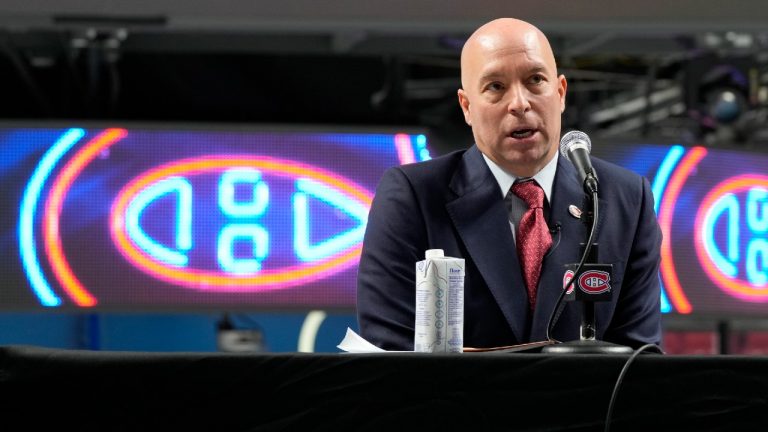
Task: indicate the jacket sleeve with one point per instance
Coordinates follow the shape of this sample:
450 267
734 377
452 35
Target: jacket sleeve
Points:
637 320
394 238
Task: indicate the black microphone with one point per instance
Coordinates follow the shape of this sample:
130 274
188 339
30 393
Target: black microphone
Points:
575 146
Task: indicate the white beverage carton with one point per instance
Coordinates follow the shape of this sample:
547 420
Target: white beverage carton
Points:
439 323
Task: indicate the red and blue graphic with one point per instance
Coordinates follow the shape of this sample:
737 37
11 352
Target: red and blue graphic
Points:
595 282
118 218
567 276
732 236
181 219
712 207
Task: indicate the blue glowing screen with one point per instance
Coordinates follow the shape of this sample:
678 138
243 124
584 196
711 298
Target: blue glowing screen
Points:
712 206
126 218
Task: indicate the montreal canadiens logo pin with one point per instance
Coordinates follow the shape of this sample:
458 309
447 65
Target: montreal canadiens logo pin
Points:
567 278
595 282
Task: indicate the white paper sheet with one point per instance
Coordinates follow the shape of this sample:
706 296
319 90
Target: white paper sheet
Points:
354 343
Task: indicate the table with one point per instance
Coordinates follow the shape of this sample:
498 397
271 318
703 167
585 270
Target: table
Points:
127 391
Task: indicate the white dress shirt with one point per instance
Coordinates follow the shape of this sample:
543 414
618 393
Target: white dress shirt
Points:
515 206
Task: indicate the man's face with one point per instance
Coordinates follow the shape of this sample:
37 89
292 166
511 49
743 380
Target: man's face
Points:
513 99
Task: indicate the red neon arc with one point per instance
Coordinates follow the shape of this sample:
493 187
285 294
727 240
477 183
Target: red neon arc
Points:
201 279
666 210
740 289
52 216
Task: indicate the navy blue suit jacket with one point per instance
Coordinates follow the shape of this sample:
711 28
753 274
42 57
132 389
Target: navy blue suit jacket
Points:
454 203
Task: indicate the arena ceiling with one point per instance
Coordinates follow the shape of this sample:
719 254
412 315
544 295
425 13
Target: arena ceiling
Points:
680 71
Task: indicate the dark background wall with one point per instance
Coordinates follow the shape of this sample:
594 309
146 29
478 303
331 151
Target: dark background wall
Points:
635 68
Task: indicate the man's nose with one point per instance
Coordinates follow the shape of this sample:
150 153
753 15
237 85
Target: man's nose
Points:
518 103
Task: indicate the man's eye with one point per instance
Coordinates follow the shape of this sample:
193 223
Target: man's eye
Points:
495 86
537 79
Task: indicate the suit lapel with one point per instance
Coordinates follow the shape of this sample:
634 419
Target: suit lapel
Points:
566 191
481 220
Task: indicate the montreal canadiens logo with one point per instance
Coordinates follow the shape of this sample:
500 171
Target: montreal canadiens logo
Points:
567 278
594 282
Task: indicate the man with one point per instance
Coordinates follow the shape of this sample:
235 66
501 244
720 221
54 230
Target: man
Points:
513 98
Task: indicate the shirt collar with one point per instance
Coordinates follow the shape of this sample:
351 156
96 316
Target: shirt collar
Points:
545 178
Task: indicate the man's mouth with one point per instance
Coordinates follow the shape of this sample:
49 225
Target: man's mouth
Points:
523 133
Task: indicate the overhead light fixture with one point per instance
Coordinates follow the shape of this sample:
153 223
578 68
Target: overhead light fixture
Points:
726 105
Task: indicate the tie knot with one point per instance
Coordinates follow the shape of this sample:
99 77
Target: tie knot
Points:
530 192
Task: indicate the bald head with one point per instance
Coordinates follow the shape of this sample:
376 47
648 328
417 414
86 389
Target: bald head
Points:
499 35
511 95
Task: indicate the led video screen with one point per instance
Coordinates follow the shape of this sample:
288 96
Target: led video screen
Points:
141 218
712 205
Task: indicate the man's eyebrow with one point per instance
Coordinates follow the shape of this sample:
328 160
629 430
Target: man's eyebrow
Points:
534 67
488 76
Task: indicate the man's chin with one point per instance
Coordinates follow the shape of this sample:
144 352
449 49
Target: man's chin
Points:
524 164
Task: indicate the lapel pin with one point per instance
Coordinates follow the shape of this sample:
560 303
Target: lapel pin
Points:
574 211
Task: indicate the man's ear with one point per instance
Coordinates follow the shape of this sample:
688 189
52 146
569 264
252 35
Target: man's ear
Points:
464 104
561 90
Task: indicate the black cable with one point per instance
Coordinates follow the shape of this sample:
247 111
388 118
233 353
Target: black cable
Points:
553 317
620 379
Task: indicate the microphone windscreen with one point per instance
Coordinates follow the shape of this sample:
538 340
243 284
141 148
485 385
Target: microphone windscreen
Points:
574 138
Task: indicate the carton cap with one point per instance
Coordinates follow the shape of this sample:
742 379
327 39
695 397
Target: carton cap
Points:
434 253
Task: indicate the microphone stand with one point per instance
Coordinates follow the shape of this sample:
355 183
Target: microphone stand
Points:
588 342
